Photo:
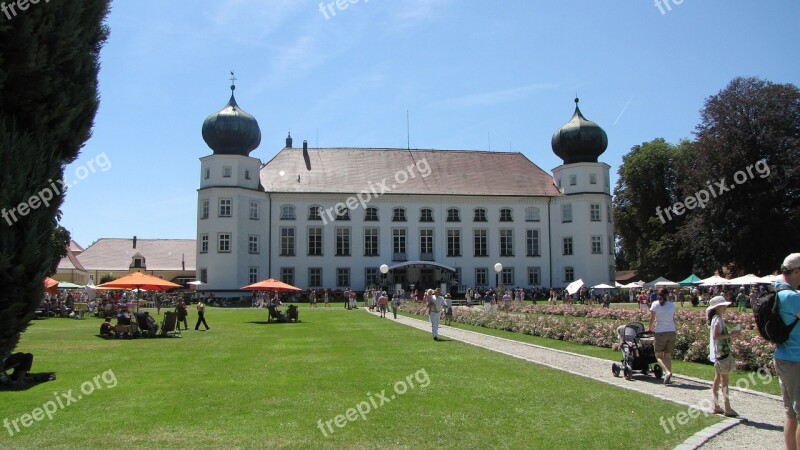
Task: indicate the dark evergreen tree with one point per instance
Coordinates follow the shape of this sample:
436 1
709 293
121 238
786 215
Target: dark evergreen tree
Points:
49 61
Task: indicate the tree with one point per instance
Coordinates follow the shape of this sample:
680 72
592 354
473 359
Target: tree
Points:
746 159
647 186
49 60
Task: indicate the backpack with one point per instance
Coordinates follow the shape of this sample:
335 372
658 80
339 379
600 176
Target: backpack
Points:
768 319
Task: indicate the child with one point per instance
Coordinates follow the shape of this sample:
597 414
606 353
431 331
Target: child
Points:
720 353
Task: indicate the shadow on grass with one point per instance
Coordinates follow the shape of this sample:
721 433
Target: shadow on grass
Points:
31 380
274 322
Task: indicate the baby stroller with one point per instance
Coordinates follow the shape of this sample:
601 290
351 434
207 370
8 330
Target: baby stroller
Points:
637 352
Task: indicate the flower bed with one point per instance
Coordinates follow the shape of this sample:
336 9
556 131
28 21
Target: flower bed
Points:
573 324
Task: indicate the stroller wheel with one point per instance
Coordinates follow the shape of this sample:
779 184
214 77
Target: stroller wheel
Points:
658 371
615 369
628 372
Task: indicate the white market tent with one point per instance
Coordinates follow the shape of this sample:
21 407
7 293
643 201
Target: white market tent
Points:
653 283
770 279
713 281
745 280
667 284
603 286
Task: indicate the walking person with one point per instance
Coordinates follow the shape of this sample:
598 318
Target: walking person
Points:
741 300
313 298
720 354
180 308
435 306
383 301
395 304
201 316
448 309
507 301
662 313
487 301
326 298
787 354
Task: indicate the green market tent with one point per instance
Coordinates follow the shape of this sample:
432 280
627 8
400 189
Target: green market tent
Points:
690 280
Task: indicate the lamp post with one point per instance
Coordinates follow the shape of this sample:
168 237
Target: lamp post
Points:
384 270
497 268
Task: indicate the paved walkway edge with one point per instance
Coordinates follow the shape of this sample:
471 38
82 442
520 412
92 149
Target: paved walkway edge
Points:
693 442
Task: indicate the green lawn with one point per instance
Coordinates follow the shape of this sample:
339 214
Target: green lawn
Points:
249 384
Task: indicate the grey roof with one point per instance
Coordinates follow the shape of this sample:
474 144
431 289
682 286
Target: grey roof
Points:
160 254
449 172
70 261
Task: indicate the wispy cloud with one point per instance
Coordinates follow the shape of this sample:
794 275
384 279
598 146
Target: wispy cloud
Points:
494 97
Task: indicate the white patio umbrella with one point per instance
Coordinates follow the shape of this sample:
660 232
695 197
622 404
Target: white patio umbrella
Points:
769 279
603 286
667 284
745 280
573 287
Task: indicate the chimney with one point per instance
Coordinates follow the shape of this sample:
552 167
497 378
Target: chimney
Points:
134 242
305 146
289 140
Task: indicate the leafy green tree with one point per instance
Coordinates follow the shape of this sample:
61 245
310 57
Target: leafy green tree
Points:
49 60
648 233
748 141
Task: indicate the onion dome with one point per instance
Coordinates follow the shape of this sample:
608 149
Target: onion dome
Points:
231 131
579 140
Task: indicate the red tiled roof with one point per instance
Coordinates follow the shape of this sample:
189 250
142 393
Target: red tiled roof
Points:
450 172
160 254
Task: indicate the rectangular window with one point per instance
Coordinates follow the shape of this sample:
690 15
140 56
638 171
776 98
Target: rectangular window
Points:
566 213
573 180
594 212
253 210
224 242
252 275
343 242
287 213
506 242
532 242
534 276
343 277
314 213
608 213
480 215
610 245
505 215
426 244
569 274
507 276
426 215
227 171
592 178
453 215
371 215
225 207
315 277
453 242
208 173
371 242
597 245
567 246
371 276
204 275
246 174
481 277
315 241
204 209
287 241
203 243
480 243
287 275
399 244
252 244
399 215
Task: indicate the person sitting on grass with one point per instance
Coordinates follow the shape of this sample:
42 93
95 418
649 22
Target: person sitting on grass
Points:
720 353
20 362
106 328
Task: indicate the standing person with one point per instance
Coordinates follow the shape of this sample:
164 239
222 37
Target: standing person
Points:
435 305
662 313
553 297
487 301
468 297
787 354
326 298
720 353
448 309
642 299
201 316
395 305
507 300
180 308
741 300
313 298
383 301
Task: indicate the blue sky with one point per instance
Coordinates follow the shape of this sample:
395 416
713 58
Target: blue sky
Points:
472 74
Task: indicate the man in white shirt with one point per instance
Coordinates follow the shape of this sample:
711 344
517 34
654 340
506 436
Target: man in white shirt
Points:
662 312
435 306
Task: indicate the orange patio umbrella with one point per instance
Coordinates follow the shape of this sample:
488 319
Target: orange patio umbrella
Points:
271 285
138 280
50 285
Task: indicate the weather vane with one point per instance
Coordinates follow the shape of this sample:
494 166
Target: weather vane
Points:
233 81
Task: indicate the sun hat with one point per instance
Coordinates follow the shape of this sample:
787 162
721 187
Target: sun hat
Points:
791 262
717 301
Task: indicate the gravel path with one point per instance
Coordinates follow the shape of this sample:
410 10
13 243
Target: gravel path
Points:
761 424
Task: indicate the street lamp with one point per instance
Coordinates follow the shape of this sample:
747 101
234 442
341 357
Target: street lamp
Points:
384 270
497 268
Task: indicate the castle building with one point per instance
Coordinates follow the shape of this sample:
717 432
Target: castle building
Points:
334 217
